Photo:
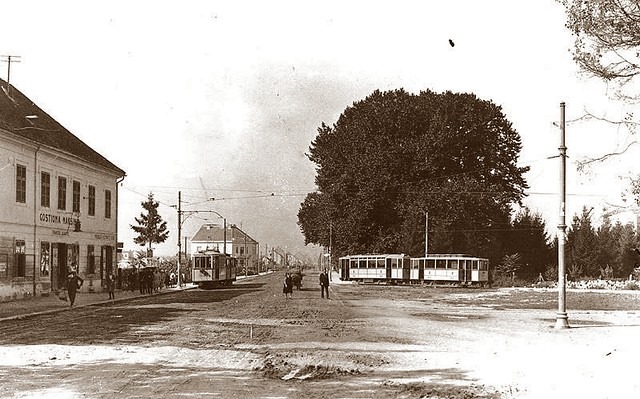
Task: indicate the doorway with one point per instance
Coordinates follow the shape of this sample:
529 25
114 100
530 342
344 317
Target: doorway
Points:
59 268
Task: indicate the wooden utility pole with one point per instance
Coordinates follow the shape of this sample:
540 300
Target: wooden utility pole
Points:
179 234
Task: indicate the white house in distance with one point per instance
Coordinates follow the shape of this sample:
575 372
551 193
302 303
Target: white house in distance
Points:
212 237
58 203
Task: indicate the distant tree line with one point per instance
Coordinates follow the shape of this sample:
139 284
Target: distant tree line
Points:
607 251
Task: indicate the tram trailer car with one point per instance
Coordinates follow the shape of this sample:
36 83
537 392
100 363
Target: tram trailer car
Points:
450 268
375 268
436 268
213 269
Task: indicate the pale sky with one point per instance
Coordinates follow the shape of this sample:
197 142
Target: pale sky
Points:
223 98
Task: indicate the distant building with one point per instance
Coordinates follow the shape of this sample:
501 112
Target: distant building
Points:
58 202
211 237
280 257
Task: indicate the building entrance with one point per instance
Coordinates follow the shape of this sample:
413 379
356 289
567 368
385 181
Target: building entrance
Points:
59 267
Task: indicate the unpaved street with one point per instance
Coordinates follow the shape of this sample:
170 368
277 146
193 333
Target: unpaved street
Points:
367 341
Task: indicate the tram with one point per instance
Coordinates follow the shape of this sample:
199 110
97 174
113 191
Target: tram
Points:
213 269
375 268
450 268
398 268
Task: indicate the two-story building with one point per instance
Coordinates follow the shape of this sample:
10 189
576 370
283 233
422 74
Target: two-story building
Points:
58 203
235 242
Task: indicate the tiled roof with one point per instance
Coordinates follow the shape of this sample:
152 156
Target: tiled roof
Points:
215 233
20 116
211 233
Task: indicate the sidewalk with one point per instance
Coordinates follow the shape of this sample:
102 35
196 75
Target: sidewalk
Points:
17 309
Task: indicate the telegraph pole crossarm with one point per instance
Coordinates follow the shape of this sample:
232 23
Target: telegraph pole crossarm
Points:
9 59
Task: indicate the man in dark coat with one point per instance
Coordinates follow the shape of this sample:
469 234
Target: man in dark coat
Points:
324 283
74 282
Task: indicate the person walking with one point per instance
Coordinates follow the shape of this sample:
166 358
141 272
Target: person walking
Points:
324 283
111 285
74 282
287 288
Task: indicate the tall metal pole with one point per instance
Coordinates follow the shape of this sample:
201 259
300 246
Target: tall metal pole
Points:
179 235
562 318
426 233
224 233
246 266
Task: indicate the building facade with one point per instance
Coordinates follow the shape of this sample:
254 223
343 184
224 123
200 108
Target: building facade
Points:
58 203
212 237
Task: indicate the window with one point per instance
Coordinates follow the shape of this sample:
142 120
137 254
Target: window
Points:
76 196
21 259
62 193
45 189
107 204
91 260
92 200
45 258
73 256
21 184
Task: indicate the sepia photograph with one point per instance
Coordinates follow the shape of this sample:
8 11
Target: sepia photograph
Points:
304 199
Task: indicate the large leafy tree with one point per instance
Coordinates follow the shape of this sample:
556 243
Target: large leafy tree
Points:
150 227
394 156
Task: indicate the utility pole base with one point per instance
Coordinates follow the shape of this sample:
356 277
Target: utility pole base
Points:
562 321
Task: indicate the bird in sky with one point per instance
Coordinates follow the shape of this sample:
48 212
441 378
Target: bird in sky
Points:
451 43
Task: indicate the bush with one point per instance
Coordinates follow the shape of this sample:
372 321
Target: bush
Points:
631 285
546 284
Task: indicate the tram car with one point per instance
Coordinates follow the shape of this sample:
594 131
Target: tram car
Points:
401 269
375 268
213 269
450 268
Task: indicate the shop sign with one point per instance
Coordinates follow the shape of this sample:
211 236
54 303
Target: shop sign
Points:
57 219
106 237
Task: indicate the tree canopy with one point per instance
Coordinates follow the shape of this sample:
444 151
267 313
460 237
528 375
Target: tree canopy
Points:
529 239
151 228
394 156
607 37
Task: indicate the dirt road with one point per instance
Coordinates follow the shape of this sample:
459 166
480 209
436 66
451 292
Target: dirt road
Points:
367 341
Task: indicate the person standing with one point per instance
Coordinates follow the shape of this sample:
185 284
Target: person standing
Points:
287 287
74 282
324 283
111 285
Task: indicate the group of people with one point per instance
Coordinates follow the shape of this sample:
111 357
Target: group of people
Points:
147 280
287 288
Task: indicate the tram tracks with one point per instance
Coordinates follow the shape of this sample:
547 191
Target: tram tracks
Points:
44 327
